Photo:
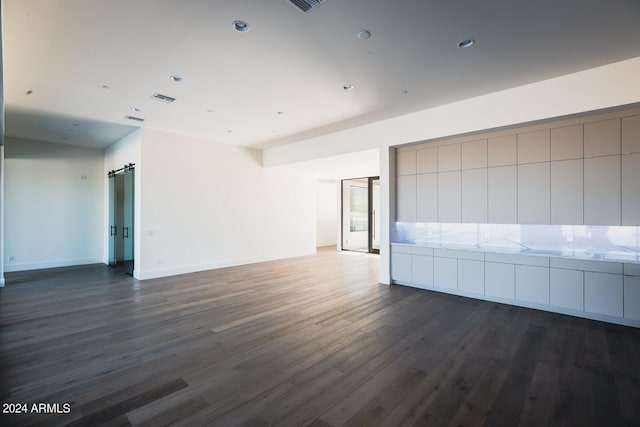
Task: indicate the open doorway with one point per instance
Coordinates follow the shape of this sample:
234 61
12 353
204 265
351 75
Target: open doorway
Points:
121 217
360 219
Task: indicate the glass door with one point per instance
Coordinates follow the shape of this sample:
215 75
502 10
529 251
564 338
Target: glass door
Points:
127 220
113 230
360 215
121 218
355 215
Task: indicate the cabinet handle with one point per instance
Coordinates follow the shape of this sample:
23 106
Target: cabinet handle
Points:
125 232
113 230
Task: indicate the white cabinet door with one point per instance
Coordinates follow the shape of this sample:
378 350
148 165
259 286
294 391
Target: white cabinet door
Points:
474 154
567 143
602 190
534 193
632 297
401 267
631 134
427 160
474 195
422 271
567 289
499 280
449 158
502 195
502 151
603 293
602 138
630 190
567 206
445 272
471 276
406 162
406 198
534 147
449 197
532 284
427 203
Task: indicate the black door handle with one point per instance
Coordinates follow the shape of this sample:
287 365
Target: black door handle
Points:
125 232
113 230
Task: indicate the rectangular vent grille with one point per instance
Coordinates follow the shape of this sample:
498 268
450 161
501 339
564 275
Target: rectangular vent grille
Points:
137 119
163 98
307 5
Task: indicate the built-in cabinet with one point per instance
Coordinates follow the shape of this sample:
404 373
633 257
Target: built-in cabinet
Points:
577 174
630 190
593 289
579 171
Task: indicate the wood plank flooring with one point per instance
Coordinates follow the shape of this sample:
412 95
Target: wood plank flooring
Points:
306 341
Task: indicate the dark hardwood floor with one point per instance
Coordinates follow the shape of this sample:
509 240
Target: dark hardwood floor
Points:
306 341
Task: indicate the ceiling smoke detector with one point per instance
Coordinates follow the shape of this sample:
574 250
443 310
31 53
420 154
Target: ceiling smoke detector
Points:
307 5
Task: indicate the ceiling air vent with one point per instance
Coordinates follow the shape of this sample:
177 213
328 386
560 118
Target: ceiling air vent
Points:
307 5
163 98
137 119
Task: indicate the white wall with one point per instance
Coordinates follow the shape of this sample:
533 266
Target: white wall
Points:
2 209
327 213
1 162
205 205
53 205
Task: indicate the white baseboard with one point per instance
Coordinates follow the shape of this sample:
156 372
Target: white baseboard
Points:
327 243
8 268
174 271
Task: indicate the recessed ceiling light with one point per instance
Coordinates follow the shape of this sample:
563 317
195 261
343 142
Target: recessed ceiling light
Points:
240 26
229 131
106 87
347 87
136 109
364 34
176 78
405 91
29 92
466 43
280 113
209 111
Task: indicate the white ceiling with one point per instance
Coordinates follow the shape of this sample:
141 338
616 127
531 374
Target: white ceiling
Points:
65 52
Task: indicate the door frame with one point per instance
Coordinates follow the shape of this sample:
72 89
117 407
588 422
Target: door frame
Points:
370 230
127 171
